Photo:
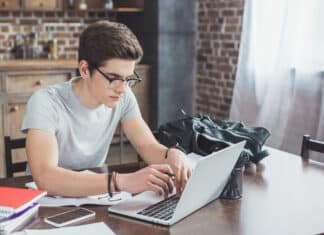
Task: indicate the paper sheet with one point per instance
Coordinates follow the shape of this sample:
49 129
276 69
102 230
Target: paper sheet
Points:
95 228
102 199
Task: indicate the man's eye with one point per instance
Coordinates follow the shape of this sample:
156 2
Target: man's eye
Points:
111 78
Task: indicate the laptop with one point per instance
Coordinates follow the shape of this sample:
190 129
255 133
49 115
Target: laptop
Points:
206 183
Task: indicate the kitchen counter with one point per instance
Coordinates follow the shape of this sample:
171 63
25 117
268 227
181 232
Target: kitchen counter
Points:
39 63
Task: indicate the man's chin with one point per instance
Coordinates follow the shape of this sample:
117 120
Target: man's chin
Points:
111 104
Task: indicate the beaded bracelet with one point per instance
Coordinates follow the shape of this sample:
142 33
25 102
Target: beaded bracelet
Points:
114 178
109 182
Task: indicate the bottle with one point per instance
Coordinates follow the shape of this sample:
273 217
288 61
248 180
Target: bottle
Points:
71 4
83 5
53 49
108 4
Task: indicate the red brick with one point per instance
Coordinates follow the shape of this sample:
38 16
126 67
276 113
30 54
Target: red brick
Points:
232 20
5 20
51 20
236 4
231 28
225 68
60 28
28 21
61 35
228 13
4 29
4 14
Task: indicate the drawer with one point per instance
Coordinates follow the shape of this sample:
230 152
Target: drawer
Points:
9 4
42 4
29 82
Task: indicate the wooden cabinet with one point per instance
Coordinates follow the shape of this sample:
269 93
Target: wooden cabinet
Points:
17 84
9 4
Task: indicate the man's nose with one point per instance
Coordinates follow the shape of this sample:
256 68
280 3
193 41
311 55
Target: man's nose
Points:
121 87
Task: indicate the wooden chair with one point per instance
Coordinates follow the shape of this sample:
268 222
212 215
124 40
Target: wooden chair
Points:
310 144
11 144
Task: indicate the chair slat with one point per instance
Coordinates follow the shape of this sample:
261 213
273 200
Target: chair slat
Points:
309 144
11 144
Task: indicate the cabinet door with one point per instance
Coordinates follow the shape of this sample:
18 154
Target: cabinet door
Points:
42 4
9 4
14 112
2 156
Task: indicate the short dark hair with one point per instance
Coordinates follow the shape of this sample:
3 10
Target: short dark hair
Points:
104 40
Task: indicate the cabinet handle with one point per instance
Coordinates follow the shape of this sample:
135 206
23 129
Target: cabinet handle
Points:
4 4
41 4
39 82
14 108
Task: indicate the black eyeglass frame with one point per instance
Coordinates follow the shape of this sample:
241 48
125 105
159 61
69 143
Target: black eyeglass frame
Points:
127 80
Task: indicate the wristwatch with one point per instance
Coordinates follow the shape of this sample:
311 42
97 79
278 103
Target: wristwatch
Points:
176 146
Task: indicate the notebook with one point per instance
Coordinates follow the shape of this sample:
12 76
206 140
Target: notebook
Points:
19 219
206 183
13 200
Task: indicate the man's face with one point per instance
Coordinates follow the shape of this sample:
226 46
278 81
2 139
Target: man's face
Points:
102 90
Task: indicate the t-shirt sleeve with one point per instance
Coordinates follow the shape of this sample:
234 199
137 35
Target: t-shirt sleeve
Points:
40 113
130 109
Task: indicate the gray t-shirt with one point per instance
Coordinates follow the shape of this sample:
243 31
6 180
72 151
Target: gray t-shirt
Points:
83 135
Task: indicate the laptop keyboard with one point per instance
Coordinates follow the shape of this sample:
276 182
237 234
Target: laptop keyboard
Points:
162 210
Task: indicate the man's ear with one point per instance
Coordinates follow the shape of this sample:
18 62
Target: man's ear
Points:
84 69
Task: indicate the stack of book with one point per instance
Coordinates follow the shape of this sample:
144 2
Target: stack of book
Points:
17 207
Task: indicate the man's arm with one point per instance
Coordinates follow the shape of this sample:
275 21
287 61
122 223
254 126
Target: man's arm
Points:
141 137
42 153
153 152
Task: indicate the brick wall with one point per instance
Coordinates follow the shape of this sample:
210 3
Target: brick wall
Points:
64 26
218 38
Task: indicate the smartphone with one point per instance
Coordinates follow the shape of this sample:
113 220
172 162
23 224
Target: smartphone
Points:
70 217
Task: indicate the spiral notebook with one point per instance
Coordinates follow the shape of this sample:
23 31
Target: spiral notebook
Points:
14 200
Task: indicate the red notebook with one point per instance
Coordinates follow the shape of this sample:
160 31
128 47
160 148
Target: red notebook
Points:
13 200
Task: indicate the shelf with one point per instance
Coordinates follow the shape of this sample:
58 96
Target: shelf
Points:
120 9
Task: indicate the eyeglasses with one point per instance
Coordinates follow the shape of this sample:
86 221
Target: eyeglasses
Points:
116 82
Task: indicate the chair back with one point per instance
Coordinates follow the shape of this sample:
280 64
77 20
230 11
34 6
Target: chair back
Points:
11 144
310 144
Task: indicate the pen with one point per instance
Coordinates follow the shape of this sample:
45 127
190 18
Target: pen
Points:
170 175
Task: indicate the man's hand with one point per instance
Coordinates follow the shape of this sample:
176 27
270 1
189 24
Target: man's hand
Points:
156 178
181 168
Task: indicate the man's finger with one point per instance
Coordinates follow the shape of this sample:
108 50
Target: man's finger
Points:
184 178
161 183
155 188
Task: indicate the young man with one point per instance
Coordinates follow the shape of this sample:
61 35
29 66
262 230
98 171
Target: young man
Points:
70 125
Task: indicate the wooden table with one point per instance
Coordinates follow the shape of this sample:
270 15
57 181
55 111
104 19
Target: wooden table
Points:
281 195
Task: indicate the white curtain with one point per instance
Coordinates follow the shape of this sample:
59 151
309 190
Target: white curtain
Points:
280 79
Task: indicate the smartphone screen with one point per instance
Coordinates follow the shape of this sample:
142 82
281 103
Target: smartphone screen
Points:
68 217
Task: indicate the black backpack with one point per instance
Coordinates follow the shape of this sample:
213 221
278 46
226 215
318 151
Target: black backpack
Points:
202 135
